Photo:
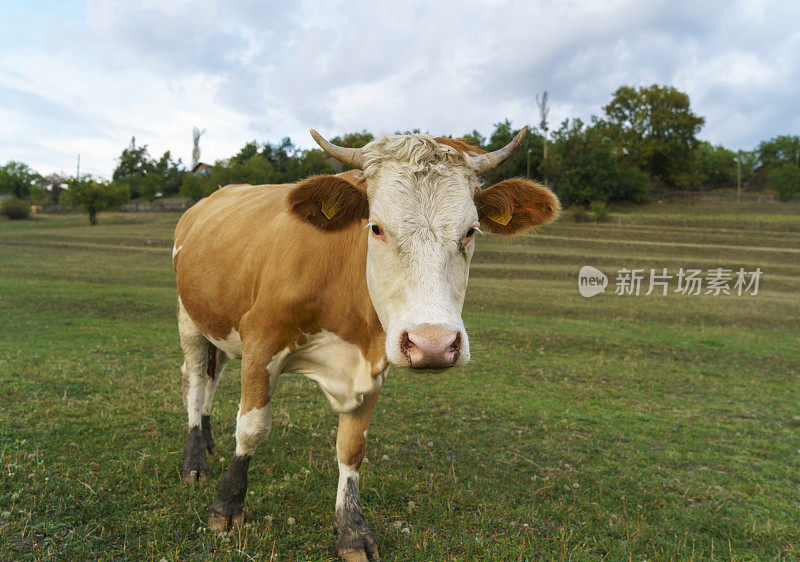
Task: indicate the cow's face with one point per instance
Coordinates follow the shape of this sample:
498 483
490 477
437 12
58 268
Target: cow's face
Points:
422 228
424 206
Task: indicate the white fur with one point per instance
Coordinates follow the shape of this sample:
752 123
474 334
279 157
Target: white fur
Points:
231 345
176 250
253 427
195 353
345 472
212 384
421 193
338 366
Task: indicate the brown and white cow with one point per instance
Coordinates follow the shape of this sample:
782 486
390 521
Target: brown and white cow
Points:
335 278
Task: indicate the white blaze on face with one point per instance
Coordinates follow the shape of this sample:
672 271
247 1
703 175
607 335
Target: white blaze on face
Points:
417 270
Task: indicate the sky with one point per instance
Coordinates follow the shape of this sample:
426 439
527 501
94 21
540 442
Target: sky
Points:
85 77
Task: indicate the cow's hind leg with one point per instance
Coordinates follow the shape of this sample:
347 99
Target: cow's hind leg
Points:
355 541
253 423
196 353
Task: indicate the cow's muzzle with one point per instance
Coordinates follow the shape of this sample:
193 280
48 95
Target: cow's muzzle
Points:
431 347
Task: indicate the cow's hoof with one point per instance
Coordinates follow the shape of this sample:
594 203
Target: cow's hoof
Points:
356 543
195 464
191 475
195 468
225 518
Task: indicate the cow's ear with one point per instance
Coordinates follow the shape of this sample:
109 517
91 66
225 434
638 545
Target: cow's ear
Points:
514 205
330 202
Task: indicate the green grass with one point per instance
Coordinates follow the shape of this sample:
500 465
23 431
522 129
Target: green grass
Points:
612 427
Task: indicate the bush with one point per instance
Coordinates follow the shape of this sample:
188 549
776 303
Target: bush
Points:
578 213
16 209
785 180
599 210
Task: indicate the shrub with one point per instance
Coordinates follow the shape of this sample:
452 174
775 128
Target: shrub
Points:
599 210
578 213
785 180
16 209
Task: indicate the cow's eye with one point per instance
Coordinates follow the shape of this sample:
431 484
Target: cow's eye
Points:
377 231
470 235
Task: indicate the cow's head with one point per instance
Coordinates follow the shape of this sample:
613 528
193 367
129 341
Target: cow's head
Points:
423 202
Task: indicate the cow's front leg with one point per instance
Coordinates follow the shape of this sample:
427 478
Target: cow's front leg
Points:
355 541
253 424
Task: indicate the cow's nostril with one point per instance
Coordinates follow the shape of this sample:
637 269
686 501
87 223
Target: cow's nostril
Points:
410 349
455 345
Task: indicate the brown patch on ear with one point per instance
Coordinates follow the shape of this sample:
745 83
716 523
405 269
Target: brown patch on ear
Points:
516 204
462 145
330 202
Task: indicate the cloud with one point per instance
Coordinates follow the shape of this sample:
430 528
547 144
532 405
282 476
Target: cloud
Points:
247 69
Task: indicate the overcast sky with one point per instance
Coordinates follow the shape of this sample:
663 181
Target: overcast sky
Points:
83 77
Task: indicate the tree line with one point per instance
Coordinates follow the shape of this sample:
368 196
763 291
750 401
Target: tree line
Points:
646 140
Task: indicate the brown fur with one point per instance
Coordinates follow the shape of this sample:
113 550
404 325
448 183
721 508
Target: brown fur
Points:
351 443
529 203
349 198
249 264
462 145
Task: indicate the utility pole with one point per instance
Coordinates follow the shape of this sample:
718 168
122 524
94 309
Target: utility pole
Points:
78 172
739 177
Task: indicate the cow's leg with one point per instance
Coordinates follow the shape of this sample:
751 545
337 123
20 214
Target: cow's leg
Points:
217 359
253 423
196 351
355 541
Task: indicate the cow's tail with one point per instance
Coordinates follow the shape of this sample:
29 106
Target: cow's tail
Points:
212 361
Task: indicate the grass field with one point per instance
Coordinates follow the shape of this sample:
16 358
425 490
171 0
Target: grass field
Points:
616 427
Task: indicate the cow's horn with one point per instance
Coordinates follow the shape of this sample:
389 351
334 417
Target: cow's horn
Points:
485 162
353 157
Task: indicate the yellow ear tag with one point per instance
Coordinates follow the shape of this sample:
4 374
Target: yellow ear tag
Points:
330 209
500 218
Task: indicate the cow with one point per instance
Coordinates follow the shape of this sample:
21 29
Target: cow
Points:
336 277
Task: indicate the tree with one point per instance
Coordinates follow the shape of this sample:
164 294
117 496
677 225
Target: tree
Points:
785 180
93 196
781 150
715 165
280 156
53 185
584 170
170 172
134 164
353 140
16 178
475 138
654 129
